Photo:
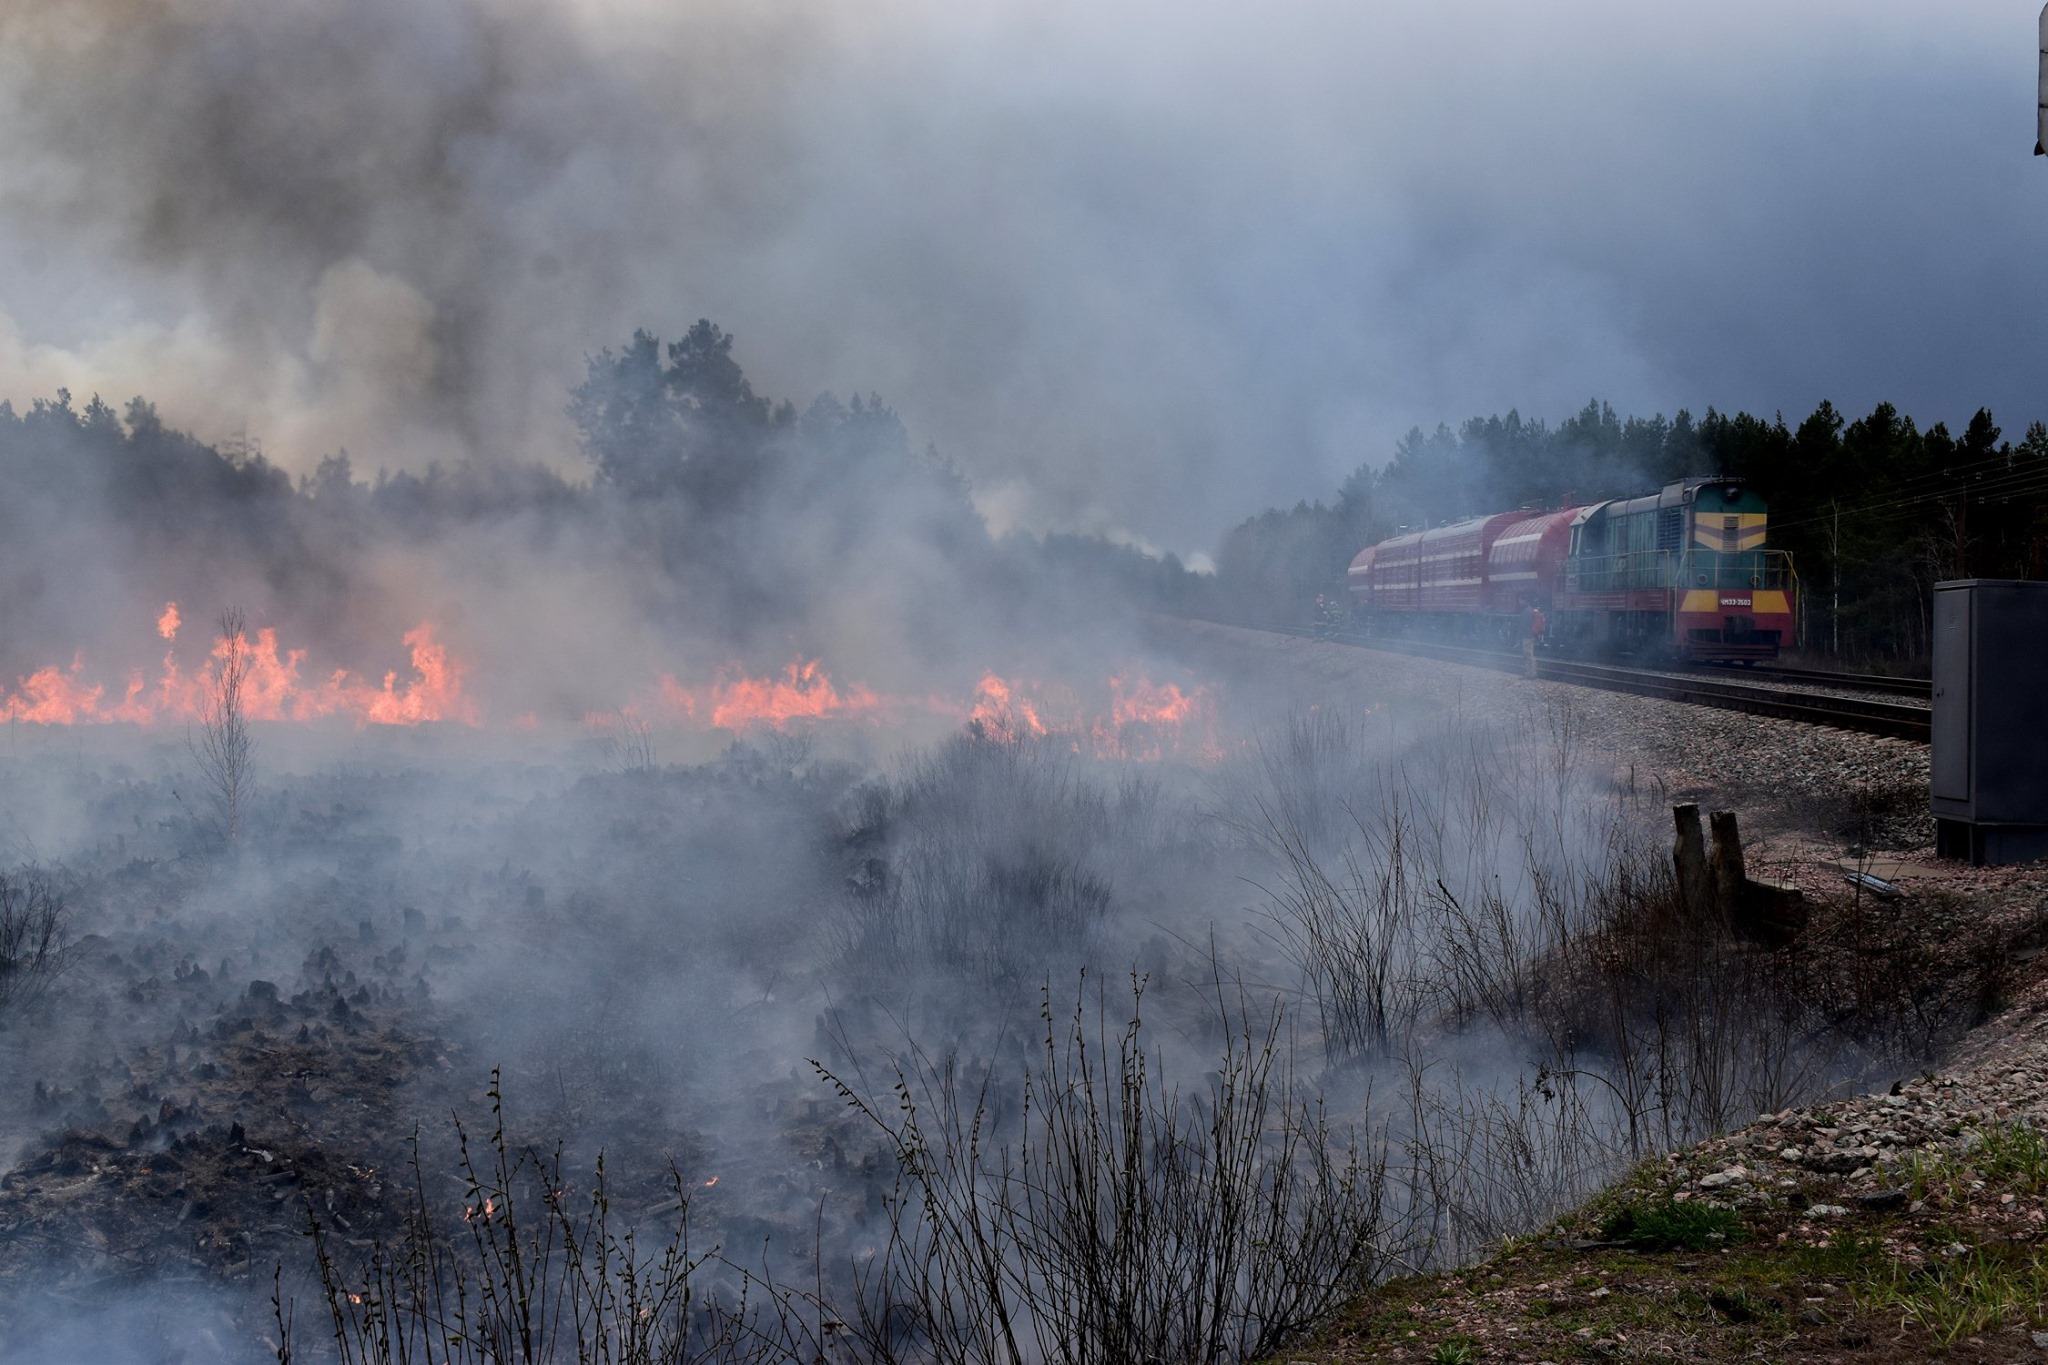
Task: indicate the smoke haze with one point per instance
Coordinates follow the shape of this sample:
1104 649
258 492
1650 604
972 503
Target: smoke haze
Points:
671 722
1137 268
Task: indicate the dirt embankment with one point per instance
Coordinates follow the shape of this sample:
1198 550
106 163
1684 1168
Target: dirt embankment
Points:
1901 1226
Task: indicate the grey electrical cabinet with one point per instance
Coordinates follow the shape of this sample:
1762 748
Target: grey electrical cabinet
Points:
1990 723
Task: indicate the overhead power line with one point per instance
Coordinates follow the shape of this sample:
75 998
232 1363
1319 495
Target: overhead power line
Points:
2019 483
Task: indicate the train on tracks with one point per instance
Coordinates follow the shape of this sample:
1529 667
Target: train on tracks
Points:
1680 574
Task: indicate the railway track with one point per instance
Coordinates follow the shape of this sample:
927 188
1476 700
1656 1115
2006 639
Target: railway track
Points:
1860 682
1866 715
1862 714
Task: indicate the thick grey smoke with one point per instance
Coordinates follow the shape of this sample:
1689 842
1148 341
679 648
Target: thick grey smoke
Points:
1138 268
389 225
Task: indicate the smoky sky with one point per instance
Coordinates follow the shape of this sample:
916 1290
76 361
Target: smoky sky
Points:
1139 268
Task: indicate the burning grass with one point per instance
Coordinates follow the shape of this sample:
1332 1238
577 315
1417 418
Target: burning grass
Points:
1127 716
268 676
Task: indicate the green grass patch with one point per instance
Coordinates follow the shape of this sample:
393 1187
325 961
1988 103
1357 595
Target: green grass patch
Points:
2011 1155
2014 1155
1671 1226
1961 1296
1455 1351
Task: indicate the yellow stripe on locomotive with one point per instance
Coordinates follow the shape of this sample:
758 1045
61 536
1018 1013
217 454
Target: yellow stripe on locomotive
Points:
1728 533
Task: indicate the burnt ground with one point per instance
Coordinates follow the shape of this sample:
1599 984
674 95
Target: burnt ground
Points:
228 1054
197 1153
199 1159
234 1047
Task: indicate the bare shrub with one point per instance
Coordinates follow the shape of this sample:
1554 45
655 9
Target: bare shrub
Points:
1689 1029
1096 1213
32 938
1477 884
1123 1219
534 1273
1352 935
627 743
225 747
1429 885
988 861
1488 1161
1461 900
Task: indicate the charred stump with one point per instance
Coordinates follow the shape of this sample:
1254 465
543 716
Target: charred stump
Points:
1726 870
1714 881
1689 860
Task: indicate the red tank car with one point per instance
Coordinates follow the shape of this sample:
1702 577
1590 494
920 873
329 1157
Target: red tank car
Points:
1526 562
1436 581
1682 572
1435 572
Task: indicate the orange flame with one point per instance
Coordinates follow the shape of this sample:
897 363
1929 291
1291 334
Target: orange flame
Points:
1147 721
1002 715
804 692
436 694
1132 719
51 696
271 688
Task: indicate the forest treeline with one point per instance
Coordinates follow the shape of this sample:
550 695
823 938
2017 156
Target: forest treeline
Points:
708 510
1875 511
719 509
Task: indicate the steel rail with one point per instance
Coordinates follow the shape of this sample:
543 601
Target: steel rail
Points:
1864 716
1859 682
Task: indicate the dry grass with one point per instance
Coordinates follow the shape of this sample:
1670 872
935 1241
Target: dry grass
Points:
1490 966
1113 1216
531 1270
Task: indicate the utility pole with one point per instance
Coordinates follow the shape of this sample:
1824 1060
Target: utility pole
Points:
1835 569
1963 534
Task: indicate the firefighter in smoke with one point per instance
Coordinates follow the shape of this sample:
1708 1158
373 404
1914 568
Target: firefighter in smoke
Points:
1330 613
